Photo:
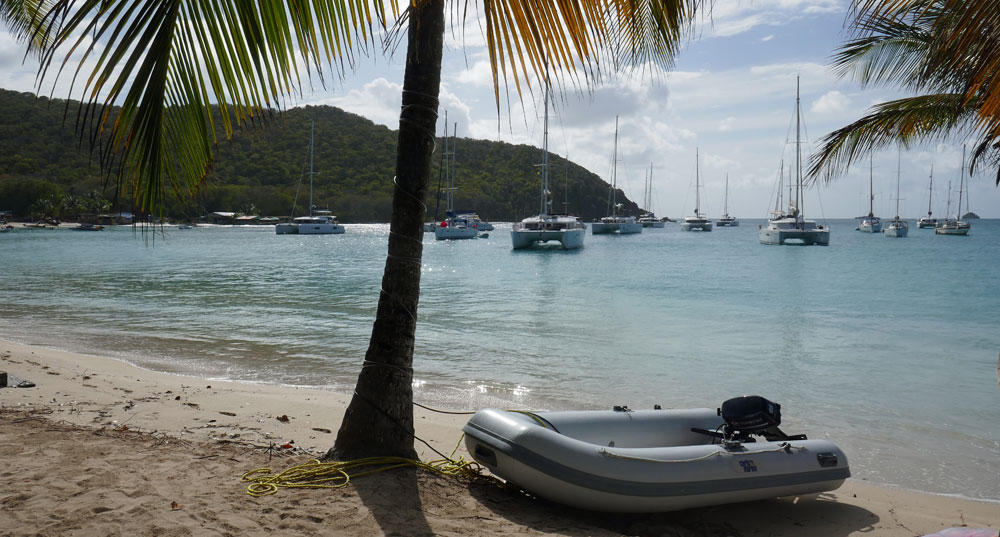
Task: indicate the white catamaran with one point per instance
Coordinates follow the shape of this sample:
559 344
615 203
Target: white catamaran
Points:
792 227
319 221
614 222
698 222
567 230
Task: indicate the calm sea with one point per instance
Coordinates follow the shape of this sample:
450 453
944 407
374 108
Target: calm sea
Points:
886 346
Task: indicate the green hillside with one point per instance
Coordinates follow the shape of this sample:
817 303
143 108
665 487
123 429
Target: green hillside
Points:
42 159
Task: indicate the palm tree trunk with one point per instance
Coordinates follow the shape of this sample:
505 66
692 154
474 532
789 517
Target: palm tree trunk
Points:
379 420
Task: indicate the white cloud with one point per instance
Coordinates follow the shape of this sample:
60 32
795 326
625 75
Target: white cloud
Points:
831 103
767 38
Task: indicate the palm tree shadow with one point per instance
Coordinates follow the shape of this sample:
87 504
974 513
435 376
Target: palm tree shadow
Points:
393 499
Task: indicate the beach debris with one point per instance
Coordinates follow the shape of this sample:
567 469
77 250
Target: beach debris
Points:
25 384
192 405
208 387
174 506
3 379
178 398
322 430
283 418
129 405
224 413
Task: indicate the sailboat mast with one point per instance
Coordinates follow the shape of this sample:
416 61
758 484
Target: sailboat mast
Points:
871 187
898 156
961 183
447 165
930 192
781 187
312 135
545 149
614 174
798 153
697 191
725 204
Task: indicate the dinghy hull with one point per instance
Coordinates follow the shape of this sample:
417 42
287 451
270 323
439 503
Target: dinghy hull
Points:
645 461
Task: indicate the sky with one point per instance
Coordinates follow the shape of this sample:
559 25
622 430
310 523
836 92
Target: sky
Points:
730 98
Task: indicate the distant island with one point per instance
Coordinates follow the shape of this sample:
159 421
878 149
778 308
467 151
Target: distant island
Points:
970 216
46 171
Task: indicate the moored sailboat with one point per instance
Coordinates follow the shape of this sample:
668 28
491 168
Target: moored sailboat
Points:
928 221
897 227
615 223
458 224
697 222
791 227
955 226
319 221
567 230
727 220
870 223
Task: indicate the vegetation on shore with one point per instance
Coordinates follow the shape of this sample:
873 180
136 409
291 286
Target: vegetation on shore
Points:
48 172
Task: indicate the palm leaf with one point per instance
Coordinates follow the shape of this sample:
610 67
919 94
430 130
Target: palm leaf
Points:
524 37
165 61
903 121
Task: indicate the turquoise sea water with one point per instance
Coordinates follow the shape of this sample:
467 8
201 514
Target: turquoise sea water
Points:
886 346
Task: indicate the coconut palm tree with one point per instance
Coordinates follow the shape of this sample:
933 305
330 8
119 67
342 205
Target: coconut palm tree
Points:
164 61
945 52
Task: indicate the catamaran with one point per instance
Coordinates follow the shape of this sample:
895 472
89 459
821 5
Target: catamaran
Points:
792 227
319 221
567 230
698 222
614 222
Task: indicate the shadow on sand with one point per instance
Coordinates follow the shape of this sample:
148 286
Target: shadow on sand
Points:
815 515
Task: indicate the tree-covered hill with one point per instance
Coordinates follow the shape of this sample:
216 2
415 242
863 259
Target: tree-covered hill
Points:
259 170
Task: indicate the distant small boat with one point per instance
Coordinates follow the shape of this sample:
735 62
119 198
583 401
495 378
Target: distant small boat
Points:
955 226
615 223
928 221
648 219
727 220
870 223
458 224
897 227
644 461
87 227
698 222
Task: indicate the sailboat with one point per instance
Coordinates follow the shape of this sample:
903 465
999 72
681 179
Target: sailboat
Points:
870 223
792 227
614 222
955 226
567 230
320 221
698 222
648 219
458 224
726 220
897 227
929 220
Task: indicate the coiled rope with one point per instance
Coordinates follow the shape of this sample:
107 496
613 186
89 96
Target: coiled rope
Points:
334 475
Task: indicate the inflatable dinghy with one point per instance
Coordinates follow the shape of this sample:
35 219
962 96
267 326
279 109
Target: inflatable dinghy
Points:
644 461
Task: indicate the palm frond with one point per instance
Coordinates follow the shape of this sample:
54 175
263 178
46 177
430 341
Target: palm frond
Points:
903 121
581 36
166 61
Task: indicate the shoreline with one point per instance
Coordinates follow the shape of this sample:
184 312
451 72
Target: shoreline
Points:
93 393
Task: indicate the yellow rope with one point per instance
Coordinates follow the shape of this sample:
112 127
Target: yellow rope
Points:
331 475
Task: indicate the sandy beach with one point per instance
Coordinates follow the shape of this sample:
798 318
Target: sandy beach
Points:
99 447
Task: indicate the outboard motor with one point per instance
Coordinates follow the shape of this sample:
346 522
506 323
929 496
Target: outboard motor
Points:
750 414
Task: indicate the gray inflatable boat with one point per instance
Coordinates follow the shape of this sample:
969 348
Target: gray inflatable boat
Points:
654 460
